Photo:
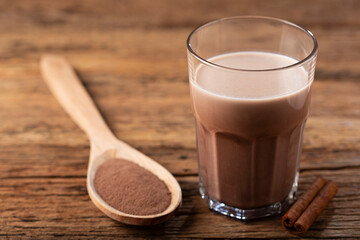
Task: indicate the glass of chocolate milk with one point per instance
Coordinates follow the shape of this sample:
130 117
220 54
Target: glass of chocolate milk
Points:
250 82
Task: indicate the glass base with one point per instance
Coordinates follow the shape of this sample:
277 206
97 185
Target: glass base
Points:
249 214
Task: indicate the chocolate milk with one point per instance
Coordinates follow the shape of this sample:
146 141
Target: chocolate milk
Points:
249 127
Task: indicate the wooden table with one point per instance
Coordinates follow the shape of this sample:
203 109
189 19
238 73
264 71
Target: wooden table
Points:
131 56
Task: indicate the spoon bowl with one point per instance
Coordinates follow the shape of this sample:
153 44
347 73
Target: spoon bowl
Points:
121 150
67 88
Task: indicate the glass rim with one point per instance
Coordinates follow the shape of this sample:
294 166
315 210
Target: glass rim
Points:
298 63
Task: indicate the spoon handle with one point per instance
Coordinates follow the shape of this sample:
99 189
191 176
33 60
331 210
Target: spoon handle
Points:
68 90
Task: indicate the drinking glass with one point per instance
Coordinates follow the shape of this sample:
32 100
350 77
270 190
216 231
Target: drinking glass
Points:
250 83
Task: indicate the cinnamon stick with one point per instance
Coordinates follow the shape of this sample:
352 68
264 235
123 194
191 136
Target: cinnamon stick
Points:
300 205
316 207
299 218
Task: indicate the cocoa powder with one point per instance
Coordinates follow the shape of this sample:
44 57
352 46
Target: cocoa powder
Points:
130 188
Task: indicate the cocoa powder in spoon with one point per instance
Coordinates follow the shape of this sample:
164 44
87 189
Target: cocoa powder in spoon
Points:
130 188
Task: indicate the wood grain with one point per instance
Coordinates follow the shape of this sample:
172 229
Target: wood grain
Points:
67 88
132 53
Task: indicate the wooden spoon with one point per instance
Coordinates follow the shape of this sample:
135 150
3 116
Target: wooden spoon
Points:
67 88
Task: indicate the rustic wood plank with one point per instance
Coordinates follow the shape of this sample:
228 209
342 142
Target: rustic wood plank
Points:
164 14
69 203
47 161
132 53
170 122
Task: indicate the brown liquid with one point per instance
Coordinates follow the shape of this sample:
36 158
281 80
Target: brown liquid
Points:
249 128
